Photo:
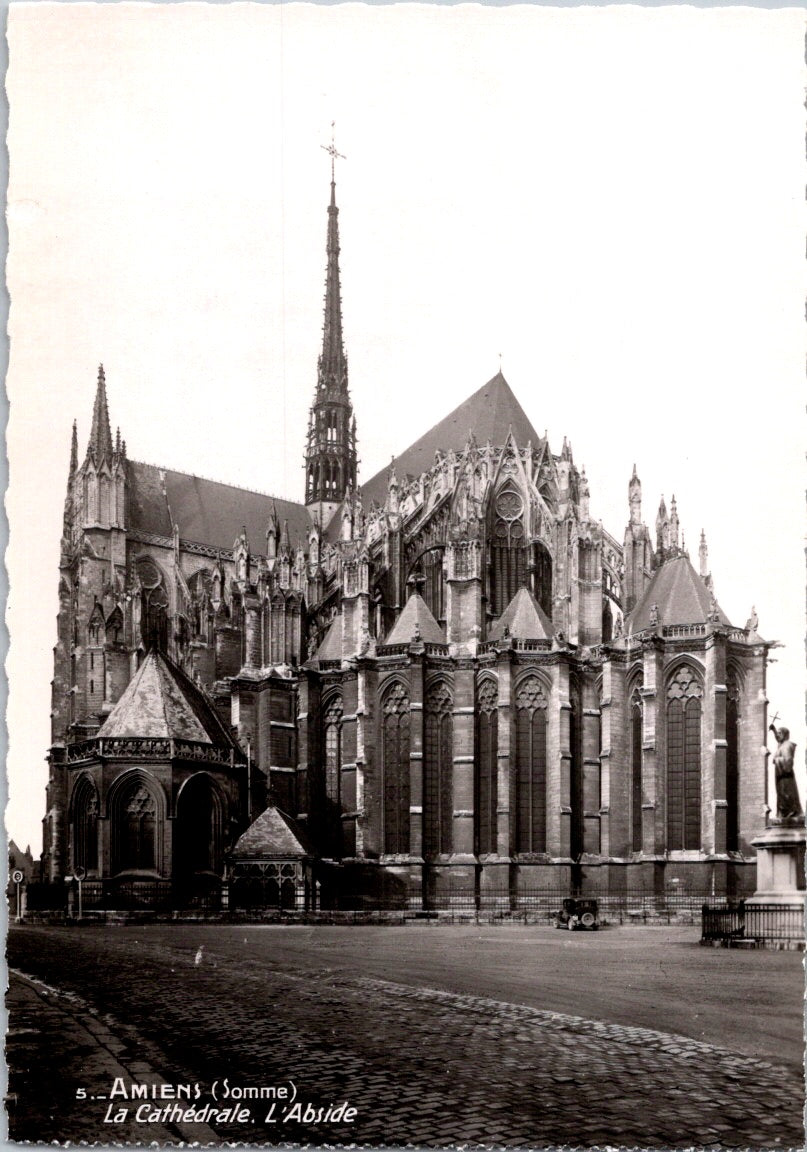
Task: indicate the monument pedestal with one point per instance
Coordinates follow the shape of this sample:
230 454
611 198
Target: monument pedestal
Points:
780 863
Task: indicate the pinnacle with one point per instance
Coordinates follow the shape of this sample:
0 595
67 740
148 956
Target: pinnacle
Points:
100 442
74 450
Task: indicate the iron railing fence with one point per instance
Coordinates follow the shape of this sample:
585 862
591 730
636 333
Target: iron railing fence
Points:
123 896
720 918
761 922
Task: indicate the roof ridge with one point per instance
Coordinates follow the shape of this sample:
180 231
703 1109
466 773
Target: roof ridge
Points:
163 694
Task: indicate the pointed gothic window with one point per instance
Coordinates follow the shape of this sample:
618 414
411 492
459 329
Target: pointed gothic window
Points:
395 769
541 577
531 709
85 825
114 627
437 771
199 829
95 625
433 588
576 832
134 828
332 720
636 717
684 695
487 744
732 762
507 552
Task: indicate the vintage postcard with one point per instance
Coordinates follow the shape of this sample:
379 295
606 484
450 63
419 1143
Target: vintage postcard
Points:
406 593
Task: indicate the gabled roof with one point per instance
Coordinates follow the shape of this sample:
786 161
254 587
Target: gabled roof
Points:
416 619
524 618
680 595
489 413
206 511
162 702
272 834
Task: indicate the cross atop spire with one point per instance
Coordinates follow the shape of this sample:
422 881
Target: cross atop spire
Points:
331 150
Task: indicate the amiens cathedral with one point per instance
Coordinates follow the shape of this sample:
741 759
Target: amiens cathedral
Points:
445 681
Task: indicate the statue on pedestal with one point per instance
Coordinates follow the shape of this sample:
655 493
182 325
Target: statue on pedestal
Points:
788 806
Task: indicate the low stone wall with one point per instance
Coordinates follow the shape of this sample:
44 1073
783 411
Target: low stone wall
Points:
538 917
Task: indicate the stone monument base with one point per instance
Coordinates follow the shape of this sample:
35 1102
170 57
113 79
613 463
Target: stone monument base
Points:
780 863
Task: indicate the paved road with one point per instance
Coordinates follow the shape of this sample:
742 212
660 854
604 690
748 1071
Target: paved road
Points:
436 1036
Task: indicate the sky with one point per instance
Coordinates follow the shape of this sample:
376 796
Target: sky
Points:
610 200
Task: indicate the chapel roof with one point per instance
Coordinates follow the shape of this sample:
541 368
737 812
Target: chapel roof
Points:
416 619
272 834
680 595
207 511
490 413
331 646
161 702
524 618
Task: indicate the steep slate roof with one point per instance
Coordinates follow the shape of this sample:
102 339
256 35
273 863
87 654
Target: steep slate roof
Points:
331 646
681 596
416 612
488 413
206 511
272 834
524 617
162 702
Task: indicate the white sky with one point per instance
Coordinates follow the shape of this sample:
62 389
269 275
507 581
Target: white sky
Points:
613 199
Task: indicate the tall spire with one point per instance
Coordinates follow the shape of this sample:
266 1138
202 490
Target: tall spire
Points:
330 458
100 442
332 362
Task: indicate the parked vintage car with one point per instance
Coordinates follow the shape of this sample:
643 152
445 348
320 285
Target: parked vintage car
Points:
578 913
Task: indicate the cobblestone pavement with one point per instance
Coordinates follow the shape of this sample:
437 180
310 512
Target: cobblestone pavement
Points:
420 1065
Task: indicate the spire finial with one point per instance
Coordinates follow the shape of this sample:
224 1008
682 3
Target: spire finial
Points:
331 150
74 450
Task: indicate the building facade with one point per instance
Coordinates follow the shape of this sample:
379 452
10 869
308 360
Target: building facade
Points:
451 679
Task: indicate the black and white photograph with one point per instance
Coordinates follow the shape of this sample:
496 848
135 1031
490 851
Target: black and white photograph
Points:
406 696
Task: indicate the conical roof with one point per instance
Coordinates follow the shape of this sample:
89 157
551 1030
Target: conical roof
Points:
680 595
272 834
162 702
489 413
416 620
524 618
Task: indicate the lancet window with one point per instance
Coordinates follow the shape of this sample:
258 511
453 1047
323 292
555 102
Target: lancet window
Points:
636 721
134 828
576 797
395 768
531 721
333 750
684 710
85 825
487 744
437 784
507 551
732 762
